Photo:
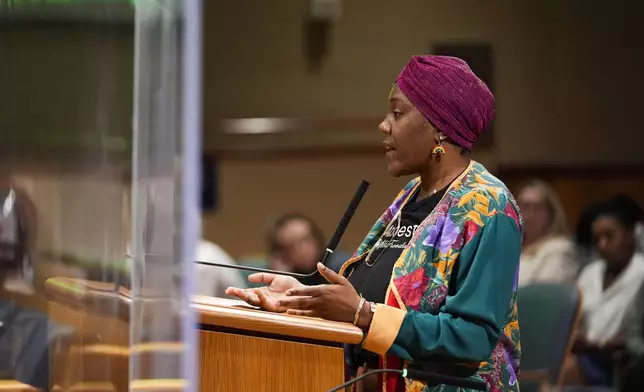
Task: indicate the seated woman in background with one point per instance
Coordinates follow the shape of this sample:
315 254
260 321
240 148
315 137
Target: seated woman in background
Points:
548 255
609 287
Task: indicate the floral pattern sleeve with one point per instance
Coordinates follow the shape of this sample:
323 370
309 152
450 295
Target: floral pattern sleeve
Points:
469 324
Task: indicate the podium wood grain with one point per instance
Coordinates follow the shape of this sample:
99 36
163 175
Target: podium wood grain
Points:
241 348
232 362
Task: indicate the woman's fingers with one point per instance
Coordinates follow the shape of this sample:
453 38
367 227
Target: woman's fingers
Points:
296 312
265 302
247 295
302 303
331 276
234 291
308 291
261 277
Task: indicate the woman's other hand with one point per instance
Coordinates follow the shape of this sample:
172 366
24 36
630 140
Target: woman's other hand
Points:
337 301
266 297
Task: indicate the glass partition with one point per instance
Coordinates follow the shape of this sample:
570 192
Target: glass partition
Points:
99 145
165 216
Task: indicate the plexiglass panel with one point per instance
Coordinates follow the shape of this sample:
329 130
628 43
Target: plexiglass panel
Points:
98 206
165 215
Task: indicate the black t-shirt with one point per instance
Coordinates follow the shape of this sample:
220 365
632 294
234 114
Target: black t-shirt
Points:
372 281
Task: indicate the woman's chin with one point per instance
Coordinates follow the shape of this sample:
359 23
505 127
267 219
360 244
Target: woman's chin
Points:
395 170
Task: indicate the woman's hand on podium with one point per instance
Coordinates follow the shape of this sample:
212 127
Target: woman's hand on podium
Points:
266 297
337 301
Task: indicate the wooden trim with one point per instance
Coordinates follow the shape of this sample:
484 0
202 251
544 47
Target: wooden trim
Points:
276 125
278 136
15 386
285 125
158 384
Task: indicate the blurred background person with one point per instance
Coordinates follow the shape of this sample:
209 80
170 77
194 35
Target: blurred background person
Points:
548 254
296 244
18 227
211 280
609 288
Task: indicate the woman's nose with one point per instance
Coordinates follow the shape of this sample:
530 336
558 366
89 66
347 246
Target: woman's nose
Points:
602 244
384 127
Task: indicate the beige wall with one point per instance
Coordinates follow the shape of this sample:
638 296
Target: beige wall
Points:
568 86
568 77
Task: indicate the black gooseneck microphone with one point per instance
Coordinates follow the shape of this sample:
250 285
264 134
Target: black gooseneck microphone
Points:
330 248
430 378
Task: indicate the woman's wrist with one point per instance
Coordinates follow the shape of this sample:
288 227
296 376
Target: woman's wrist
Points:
365 316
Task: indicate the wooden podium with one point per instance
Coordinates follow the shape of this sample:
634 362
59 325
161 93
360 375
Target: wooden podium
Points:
241 348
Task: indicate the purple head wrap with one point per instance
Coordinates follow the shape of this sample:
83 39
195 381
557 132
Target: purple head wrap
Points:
446 91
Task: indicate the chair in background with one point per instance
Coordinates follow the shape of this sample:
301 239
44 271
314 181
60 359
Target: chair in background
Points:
548 318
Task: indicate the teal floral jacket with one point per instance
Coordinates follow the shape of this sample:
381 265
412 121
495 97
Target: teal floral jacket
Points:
451 302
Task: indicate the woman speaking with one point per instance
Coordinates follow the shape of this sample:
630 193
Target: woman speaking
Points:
433 284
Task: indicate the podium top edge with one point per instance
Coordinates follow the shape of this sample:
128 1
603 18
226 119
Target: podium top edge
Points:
102 299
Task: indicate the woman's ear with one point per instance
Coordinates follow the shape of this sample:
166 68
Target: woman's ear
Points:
439 136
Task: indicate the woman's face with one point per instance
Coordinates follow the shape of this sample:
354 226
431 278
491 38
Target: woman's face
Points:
409 137
613 241
536 216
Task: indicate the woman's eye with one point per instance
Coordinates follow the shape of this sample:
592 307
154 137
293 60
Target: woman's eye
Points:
397 114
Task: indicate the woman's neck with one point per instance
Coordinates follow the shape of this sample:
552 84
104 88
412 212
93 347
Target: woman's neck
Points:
439 175
616 267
